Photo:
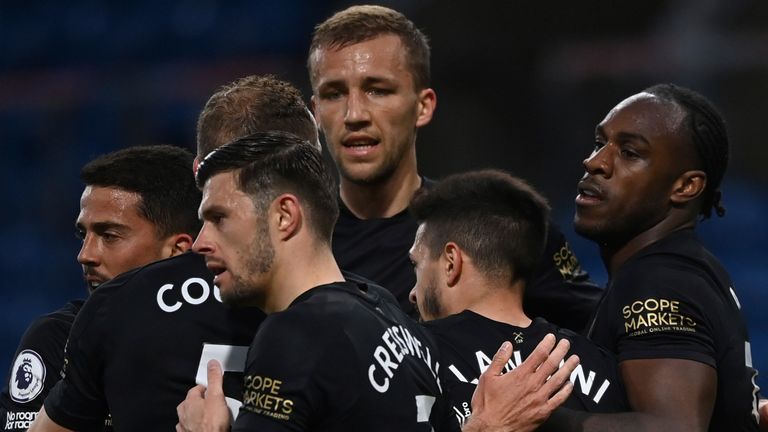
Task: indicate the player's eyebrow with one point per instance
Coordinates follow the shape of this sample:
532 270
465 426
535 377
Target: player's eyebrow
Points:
371 80
622 135
367 81
630 136
102 226
211 211
599 131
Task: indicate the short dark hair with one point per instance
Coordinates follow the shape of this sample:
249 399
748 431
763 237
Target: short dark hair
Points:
499 219
271 163
252 104
361 23
161 175
707 131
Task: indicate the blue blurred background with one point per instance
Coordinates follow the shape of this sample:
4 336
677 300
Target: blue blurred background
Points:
520 86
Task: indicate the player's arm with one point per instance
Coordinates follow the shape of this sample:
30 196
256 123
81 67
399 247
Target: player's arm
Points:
38 359
664 394
43 423
77 401
524 397
674 394
763 415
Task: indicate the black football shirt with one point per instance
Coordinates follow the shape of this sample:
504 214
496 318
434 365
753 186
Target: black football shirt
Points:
468 342
142 340
673 299
560 291
342 357
36 367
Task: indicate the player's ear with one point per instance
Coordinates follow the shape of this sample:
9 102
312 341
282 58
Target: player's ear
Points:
179 243
688 186
195 166
313 111
427 105
453 263
287 215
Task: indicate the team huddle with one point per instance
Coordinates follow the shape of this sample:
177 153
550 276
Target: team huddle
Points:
244 289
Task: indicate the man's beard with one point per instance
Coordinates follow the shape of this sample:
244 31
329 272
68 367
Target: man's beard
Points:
259 262
380 174
432 307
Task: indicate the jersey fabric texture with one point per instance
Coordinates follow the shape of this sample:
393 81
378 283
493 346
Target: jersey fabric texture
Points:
468 342
342 357
673 299
377 249
139 342
36 368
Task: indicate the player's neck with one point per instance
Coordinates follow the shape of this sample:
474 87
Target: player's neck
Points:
502 303
299 272
381 200
615 256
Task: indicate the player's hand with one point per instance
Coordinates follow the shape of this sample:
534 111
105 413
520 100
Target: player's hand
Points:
523 398
763 414
205 410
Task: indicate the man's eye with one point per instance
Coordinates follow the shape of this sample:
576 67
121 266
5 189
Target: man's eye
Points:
330 95
629 154
216 219
80 234
109 237
376 91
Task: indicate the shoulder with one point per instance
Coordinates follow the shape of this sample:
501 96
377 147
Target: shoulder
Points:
665 272
46 336
663 290
138 291
317 324
580 344
40 354
448 326
680 253
316 310
170 269
667 284
303 321
58 321
144 281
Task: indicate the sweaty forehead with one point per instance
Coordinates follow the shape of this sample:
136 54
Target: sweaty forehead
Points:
109 200
220 186
418 242
383 55
647 115
222 192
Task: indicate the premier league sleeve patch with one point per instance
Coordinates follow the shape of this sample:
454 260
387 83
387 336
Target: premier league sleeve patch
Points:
28 377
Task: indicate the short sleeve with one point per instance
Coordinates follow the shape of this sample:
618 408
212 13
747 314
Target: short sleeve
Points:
598 386
35 370
455 405
664 313
300 370
77 401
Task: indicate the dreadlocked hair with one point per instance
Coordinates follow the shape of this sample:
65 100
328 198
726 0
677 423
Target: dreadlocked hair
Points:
706 128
